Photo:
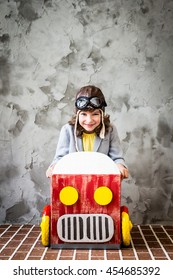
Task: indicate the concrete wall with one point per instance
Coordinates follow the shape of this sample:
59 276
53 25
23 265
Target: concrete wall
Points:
48 50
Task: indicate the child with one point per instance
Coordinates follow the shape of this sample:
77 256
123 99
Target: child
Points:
90 130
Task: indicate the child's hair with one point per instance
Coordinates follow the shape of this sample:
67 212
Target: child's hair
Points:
80 129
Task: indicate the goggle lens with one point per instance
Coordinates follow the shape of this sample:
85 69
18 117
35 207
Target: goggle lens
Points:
81 103
95 101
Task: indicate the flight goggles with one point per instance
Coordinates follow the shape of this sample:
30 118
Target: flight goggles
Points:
84 102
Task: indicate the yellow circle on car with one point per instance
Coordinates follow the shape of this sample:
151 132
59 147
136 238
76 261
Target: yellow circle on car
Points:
68 195
103 195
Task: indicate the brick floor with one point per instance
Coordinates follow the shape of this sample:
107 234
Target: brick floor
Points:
149 242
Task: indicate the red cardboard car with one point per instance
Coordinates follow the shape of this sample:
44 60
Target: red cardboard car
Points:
85 210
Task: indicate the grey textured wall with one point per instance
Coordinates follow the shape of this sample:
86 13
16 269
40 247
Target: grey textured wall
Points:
48 50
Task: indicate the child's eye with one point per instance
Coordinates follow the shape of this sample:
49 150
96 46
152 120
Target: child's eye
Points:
96 114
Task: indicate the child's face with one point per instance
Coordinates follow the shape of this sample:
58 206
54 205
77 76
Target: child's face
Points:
89 120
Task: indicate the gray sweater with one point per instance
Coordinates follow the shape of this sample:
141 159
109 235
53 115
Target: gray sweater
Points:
109 146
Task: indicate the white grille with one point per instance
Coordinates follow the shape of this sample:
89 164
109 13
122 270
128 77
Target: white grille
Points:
85 228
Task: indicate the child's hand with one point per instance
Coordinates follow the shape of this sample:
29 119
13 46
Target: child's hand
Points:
123 170
49 171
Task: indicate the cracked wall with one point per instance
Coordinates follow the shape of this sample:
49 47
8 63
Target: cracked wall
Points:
48 50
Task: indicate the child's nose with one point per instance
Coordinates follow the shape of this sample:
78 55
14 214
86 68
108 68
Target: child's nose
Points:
89 118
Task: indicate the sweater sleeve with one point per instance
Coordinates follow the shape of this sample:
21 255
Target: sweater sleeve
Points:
115 150
62 148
